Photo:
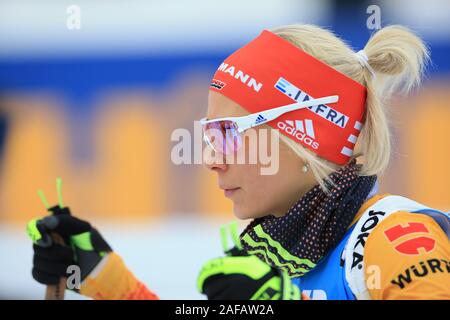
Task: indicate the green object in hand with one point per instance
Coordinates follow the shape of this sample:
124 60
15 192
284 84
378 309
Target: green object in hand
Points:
81 244
239 276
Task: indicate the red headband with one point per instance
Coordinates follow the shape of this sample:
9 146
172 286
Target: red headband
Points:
270 72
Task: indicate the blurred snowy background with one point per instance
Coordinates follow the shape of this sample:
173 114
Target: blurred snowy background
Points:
96 106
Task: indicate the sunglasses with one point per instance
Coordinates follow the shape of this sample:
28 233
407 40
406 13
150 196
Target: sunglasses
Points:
224 134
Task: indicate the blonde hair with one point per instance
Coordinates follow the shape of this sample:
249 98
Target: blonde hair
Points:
396 55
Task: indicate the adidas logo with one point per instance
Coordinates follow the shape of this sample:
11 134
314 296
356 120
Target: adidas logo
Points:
302 130
306 128
260 119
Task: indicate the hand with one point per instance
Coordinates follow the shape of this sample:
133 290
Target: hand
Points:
84 246
244 277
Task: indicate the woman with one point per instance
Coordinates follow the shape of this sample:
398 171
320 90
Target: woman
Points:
320 218
319 224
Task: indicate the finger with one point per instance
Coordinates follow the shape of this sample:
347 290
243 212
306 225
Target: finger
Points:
57 210
38 233
52 267
44 277
65 225
249 266
54 253
209 269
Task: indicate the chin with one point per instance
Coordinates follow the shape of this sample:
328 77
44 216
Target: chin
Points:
244 212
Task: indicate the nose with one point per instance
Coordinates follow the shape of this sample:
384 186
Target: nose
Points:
214 161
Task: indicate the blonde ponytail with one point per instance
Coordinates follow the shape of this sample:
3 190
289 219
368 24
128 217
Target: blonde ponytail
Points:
396 56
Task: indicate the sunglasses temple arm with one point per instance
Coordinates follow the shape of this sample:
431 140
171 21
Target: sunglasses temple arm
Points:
271 114
249 121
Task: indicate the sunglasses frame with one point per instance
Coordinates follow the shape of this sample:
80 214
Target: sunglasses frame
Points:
255 119
249 121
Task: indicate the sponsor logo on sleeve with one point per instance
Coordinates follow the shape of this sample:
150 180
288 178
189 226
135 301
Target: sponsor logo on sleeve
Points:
420 270
412 238
366 227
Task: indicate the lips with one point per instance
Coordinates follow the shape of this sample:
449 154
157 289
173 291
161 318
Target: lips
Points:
229 191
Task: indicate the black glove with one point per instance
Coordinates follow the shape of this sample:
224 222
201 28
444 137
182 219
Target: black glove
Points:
83 246
239 276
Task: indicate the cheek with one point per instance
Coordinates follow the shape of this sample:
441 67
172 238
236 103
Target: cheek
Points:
247 203
261 194
269 193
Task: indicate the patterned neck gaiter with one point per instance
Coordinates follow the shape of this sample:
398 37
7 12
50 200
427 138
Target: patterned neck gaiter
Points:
312 227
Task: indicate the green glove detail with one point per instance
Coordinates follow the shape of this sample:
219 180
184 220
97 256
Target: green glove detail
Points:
240 276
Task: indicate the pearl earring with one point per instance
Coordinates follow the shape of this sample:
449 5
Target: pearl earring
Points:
305 168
